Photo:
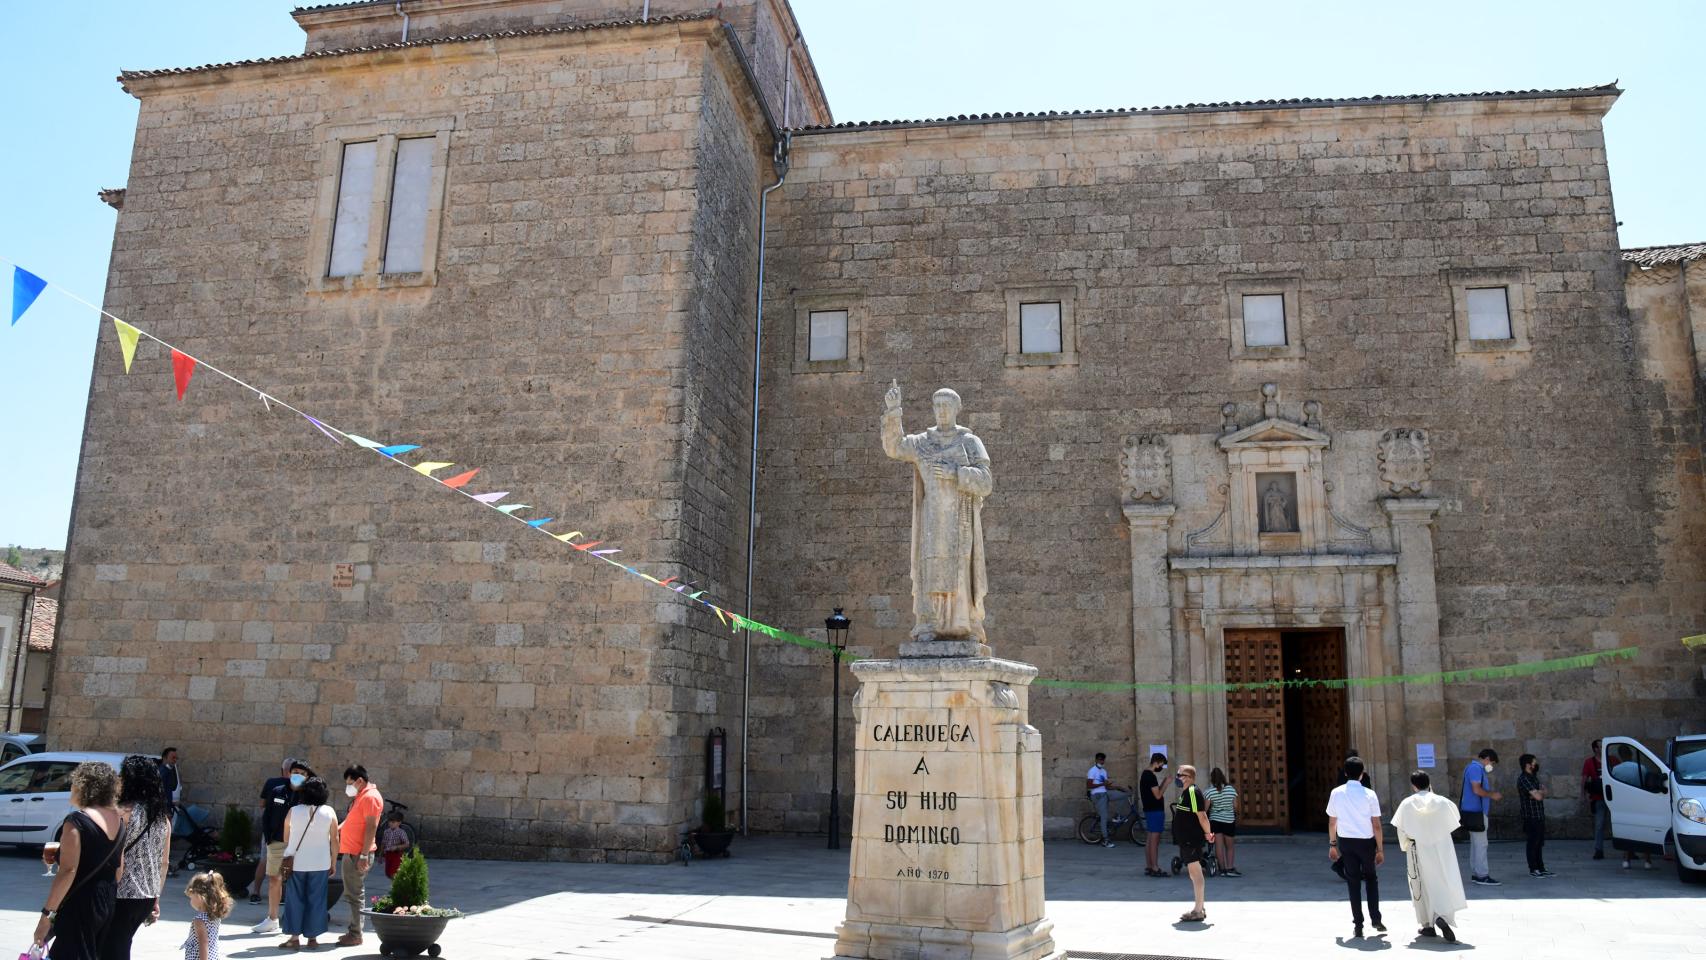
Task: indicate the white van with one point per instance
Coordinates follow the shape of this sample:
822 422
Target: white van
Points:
35 794
1653 801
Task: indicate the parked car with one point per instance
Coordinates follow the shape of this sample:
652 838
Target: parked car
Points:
35 794
1653 801
15 745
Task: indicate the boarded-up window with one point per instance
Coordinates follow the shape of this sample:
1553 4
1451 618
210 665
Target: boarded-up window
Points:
1489 313
405 235
828 336
355 210
1039 328
1264 320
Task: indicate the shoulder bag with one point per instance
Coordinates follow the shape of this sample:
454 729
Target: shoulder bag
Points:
289 862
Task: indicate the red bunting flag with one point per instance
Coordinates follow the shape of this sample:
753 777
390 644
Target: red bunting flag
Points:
461 480
183 367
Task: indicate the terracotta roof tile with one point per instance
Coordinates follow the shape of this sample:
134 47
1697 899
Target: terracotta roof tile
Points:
1649 257
11 574
128 75
1222 106
41 624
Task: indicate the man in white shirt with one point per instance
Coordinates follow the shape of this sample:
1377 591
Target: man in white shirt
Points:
1354 834
1100 792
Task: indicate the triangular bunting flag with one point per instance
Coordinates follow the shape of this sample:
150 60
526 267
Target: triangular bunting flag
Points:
26 287
540 523
364 442
461 480
323 429
490 498
512 508
586 546
398 449
566 537
183 367
127 336
605 553
426 469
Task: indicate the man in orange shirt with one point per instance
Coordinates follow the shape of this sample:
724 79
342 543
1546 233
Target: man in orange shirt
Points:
356 846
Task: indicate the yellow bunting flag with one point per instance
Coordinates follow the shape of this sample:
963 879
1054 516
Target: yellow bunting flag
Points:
426 469
566 537
127 337
1694 642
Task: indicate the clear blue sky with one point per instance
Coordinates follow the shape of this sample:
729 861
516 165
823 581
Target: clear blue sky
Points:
69 126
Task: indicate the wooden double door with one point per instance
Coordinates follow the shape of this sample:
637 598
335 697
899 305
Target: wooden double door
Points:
1285 745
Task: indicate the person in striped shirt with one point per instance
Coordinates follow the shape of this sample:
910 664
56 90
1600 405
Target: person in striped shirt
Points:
1223 817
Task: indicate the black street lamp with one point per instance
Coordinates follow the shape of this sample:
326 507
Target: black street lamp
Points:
835 626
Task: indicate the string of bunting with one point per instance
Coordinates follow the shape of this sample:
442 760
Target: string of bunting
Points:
27 287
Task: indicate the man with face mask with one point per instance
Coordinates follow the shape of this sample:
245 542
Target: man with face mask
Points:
1477 806
1531 796
1152 794
356 844
278 795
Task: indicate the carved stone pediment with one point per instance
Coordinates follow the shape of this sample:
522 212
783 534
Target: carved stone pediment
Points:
1276 431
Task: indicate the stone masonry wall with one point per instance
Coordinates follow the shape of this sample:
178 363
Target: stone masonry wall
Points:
1569 479
520 698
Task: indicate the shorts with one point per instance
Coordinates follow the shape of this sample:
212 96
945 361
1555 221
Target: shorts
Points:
1190 851
275 858
1227 828
1155 821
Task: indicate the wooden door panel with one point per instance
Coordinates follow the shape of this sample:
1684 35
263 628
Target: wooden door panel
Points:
1255 727
1319 657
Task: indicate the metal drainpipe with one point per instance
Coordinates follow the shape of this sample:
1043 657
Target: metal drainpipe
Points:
405 17
780 162
20 663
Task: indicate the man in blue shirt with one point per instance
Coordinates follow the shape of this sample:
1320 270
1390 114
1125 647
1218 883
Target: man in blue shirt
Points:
1477 806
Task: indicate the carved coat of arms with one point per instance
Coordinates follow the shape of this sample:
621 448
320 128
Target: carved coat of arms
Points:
1146 469
1405 459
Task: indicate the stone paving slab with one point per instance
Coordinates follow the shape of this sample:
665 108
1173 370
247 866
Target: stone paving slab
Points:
782 897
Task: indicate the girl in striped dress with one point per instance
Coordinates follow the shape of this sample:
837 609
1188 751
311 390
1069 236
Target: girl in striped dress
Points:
1223 817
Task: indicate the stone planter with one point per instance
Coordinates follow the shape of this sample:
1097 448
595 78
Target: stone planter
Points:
237 875
713 844
334 892
401 935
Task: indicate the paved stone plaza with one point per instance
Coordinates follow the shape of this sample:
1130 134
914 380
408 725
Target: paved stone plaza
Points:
781 898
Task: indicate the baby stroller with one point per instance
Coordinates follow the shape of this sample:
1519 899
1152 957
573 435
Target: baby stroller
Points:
1210 863
200 841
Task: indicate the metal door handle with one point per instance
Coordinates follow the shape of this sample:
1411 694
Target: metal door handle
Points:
17 799
37 799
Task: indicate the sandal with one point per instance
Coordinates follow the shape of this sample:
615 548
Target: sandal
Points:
1194 916
291 944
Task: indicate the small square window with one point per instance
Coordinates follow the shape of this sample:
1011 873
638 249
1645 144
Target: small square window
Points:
828 336
1039 328
1489 313
1264 320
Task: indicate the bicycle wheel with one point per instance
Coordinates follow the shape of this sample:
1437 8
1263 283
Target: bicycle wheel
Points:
1139 833
413 834
1090 829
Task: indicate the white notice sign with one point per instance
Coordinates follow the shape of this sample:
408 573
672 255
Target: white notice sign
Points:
1156 748
1425 755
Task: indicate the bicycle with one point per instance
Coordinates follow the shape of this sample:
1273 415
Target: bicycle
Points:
1090 828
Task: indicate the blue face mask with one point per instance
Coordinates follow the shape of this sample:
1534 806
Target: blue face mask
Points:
297 780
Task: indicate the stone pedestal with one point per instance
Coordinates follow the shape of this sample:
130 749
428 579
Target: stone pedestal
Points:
947 821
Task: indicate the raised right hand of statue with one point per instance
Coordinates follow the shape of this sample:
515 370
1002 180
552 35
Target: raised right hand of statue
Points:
891 399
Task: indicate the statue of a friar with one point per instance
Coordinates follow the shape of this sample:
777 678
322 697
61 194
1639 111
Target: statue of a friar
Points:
950 478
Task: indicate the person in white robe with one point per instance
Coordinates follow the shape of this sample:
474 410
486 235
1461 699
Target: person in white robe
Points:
1425 821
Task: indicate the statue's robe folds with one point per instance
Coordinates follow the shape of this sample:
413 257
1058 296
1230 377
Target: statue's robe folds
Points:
949 581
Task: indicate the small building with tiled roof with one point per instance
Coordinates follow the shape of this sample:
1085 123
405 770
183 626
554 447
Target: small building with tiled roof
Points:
23 666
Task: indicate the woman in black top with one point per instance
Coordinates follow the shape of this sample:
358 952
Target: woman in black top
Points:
80 902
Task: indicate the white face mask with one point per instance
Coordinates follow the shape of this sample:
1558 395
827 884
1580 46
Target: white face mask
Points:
349 789
1488 766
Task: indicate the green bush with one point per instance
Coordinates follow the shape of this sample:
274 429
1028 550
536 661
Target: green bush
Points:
409 886
715 818
234 835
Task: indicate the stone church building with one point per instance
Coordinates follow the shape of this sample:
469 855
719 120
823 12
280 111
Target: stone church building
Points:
1300 389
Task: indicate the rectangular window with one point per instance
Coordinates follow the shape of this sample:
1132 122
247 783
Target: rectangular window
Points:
1264 320
1489 313
405 236
1039 328
355 209
828 336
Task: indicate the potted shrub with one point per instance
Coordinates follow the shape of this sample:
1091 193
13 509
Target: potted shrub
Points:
234 862
406 922
714 836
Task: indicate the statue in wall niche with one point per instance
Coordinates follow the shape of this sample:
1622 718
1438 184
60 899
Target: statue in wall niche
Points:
1273 508
1405 459
950 479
